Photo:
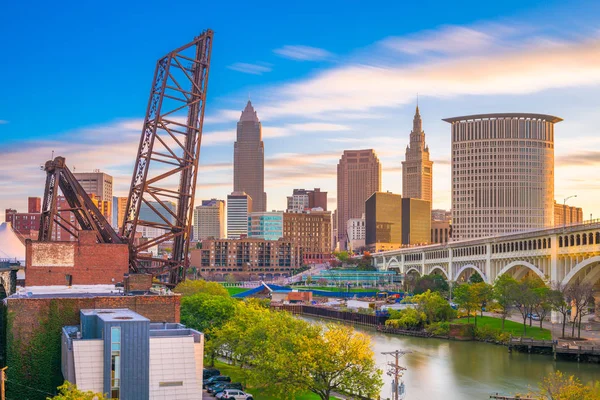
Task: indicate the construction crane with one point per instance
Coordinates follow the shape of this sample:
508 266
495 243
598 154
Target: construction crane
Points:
165 171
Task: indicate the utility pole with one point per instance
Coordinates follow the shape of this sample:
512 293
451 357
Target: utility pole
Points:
2 387
396 370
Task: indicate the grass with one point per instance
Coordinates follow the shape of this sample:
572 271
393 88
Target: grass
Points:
235 290
514 328
236 376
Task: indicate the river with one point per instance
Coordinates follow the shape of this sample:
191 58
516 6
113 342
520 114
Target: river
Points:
453 370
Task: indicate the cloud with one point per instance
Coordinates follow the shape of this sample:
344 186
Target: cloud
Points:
303 53
3 122
254 69
222 116
582 158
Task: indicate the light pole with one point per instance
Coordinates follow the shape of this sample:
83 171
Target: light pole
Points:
565 210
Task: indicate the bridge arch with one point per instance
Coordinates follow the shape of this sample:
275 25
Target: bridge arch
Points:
591 278
393 263
473 267
440 268
413 269
525 264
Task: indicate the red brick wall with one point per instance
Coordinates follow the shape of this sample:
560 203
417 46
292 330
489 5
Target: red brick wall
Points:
88 262
26 313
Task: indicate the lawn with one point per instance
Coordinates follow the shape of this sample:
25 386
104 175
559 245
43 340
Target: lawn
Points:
236 376
235 290
514 328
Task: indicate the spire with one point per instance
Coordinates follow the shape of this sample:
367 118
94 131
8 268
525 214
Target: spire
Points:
249 114
417 123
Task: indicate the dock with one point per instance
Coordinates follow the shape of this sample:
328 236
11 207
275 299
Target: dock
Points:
555 347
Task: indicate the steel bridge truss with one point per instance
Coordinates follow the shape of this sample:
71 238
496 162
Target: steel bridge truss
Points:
166 167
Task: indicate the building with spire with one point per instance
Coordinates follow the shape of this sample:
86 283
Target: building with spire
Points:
417 169
249 159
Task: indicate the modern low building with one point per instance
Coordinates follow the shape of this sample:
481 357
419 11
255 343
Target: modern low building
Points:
122 353
239 205
265 225
383 221
567 215
245 259
416 221
209 220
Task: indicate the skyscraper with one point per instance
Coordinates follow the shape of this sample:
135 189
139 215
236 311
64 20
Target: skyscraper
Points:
239 205
302 199
383 221
358 177
209 220
502 173
249 159
417 169
99 184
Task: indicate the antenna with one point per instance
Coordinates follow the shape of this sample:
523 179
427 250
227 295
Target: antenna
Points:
52 158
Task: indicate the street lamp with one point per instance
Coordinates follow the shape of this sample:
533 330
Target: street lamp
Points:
565 210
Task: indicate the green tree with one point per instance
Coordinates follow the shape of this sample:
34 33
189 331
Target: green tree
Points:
204 311
544 302
342 256
525 298
483 294
475 278
409 318
560 303
466 299
433 282
435 307
503 292
557 386
192 287
69 391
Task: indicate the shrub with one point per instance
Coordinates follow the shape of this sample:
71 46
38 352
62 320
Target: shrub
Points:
439 328
486 333
407 319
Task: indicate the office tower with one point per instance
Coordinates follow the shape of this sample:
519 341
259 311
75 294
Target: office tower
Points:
249 159
265 225
358 177
383 221
355 229
502 173
310 232
239 205
209 220
416 221
99 184
121 207
567 215
417 169
302 199
148 213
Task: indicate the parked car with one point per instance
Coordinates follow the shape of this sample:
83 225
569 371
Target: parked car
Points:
234 394
534 317
209 372
218 388
215 379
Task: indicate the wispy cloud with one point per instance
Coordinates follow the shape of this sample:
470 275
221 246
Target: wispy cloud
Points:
3 121
303 53
254 69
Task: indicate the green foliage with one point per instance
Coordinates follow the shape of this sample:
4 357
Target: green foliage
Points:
409 318
482 293
487 333
435 307
441 328
557 386
35 365
192 287
475 278
433 282
466 299
203 311
503 292
342 256
69 391
510 327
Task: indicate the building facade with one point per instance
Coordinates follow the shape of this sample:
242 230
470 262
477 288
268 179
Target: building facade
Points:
249 159
441 232
358 177
417 169
303 199
245 259
119 210
416 222
502 173
383 221
355 230
265 225
101 185
26 224
239 206
120 352
567 215
156 213
310 233
209 220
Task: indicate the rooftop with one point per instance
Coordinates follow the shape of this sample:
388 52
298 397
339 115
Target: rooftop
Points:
114 314
64 291
545 117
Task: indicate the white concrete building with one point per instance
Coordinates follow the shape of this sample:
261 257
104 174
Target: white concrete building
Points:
356 231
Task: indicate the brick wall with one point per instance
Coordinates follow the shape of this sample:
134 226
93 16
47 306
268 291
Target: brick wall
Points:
26 313
88 262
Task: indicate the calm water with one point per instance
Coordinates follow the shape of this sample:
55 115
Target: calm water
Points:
451 370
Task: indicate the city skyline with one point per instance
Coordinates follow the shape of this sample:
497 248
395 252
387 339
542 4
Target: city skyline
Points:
317 98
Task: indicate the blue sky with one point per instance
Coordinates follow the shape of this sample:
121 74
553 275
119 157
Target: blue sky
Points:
323 76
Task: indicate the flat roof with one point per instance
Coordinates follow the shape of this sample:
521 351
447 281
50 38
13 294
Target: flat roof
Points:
115 314
545 117
63 291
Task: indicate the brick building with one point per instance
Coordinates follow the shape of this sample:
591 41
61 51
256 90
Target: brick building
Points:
26 224
310 233
84 262
567 215
245 259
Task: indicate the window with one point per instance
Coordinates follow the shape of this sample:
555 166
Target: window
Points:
115 346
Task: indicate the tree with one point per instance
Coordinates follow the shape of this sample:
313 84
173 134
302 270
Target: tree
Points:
465 298
191 287
204 311
525 298
475 278
581 295
409 318
342 256
230 278
434 306
544 302
69 391
557 386
433 282
483 294
503 294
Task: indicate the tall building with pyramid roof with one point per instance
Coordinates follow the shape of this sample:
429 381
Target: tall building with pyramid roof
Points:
417 169
249 159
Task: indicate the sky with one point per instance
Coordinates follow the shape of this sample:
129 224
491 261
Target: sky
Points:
323 77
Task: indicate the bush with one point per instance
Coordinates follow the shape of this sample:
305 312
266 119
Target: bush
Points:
488 334
439 328
407 319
